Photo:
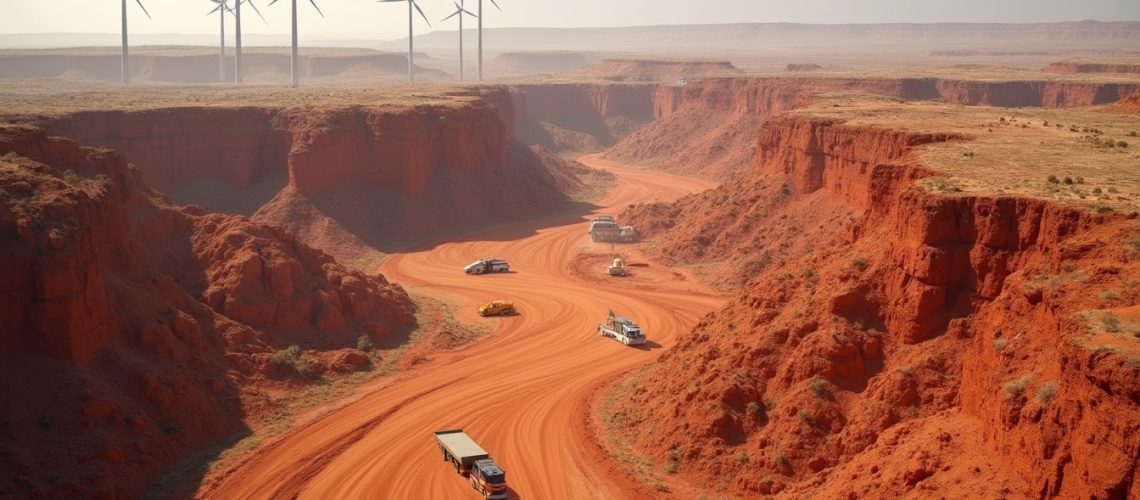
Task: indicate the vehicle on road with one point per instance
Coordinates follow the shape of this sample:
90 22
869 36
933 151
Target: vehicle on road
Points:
618 268
487 265
473 462
604 229
497 308
621 329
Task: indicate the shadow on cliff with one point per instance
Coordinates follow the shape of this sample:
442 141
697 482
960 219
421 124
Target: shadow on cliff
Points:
504 202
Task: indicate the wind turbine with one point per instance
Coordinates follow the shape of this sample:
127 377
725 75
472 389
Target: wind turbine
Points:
480 16
411 3
221 9
126 71
459 11
294 62
237 37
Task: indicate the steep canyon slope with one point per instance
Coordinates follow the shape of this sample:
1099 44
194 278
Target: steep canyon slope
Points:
904 327
133 326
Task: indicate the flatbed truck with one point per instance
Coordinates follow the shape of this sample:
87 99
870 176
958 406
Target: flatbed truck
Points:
473 462
621 329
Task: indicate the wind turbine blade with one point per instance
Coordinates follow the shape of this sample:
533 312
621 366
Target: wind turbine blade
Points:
465 11
251 4
418 9
453 14
219 7
496 5
318 8
144 9
388 1
271 3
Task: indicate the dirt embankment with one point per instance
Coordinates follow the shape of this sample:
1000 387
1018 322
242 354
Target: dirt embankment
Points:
351 180
708 127
134 329
894 341
1091 67
1130 104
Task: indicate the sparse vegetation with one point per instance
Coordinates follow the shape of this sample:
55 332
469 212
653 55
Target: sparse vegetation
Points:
1100 208
292 358
1110 322
1109 296
819 387
1046 393
753 408
999 343
364 343
742 458
859 263
1015 388
1052 179
673 461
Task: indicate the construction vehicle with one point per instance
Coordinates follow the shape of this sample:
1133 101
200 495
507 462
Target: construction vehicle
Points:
617 268
604 229
473 462
487 265
621 329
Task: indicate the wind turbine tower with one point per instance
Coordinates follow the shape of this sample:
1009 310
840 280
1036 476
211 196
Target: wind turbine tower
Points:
411 17
480 16
126 56
459 11
294 62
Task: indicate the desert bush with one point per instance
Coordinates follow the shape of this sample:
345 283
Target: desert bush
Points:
1046 393
1067 181
1052 179
1015 388
859 263
291 358
364 343
819 387
1121 144
753 408
1101 208
1110 322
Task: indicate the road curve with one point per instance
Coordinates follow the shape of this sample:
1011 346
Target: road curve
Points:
518 391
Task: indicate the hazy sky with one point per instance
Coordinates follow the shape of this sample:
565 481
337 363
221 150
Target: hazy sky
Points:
368 19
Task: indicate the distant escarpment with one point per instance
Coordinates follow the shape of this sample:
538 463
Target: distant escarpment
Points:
708 127
133 326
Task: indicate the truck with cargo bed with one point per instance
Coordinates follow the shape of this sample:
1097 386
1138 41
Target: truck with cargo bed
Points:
621 329
473 462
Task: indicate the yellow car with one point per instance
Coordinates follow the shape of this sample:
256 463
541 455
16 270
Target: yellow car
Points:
497 308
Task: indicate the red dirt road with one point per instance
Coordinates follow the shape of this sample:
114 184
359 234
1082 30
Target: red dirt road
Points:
519 392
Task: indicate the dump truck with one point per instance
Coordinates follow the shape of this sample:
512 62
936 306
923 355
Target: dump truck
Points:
621 329
472 462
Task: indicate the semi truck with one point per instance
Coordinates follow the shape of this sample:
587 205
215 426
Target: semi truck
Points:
472 462
621 329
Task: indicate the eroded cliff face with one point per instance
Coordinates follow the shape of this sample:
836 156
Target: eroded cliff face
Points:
400 148
134 327
708 127
582 117
1090 67
893 340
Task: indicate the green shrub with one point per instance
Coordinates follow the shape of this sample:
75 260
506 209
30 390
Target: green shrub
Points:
819 387
291 358
859 263
754 408
1015 388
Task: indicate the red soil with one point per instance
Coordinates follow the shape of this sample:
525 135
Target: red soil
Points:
134 329
895 341
1077 67
708 128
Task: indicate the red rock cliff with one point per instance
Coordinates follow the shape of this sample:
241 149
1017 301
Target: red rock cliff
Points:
894 340
134 326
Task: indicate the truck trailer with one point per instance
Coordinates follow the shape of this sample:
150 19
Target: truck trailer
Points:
473 462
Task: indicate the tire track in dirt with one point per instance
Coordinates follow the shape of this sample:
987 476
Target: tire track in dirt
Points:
519 392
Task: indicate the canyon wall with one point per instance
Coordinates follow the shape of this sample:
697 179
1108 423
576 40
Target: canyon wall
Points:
1090 67
708 127
135 329
577 117
894 340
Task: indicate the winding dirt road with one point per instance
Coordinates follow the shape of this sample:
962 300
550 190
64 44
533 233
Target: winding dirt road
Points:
519 391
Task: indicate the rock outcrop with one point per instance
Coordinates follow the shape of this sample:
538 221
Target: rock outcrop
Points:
134 326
